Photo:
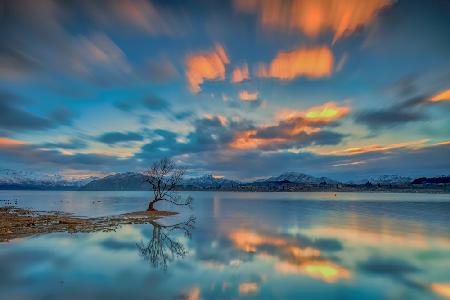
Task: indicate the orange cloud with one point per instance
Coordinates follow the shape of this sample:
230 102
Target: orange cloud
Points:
379 148
206 66
291 126
240 74
7 142
222 119
342 17
442 289
248 96
325 113
442 96
306 62
246 140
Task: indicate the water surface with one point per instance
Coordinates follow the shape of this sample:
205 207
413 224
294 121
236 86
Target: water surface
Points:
242 246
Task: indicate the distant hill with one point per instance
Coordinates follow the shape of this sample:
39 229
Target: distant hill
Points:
289 181
132 181
129 181
384 180
210 182
432 180
299 178
15 179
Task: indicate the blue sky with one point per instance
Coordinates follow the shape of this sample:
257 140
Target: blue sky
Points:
240 88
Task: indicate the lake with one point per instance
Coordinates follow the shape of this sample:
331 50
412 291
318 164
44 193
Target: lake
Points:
242 246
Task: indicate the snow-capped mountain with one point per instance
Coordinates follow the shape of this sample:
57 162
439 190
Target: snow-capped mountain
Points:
209 181
136 181
385 180
300 178
18 178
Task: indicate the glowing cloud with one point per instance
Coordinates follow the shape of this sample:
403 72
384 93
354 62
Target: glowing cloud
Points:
248 96
379 148
442 96
442 289
325 113
342 17
7 142
240 74
247 140
302 62
206 66
291 126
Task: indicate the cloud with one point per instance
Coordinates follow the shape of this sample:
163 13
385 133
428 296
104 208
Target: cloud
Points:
112 138
442 96
342 17
38 41
14 64
430 160
150 102
240 74
159 71
311 63
28 156
320 114
205 66
412 145
8 142
72 144
140 15
14 118
98 59
396 115
387 266
385 118
248 96
294 129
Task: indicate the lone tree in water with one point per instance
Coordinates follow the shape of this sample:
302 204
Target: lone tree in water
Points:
164 176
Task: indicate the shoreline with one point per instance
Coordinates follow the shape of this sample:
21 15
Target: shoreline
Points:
16 222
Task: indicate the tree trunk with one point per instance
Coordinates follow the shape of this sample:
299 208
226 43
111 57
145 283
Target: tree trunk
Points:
151 206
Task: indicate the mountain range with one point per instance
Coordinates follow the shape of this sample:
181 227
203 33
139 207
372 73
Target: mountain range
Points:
16 179
289 181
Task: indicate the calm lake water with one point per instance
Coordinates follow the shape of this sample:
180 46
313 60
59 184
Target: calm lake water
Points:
242 246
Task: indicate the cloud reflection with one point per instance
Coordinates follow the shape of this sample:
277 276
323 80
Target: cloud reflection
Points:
289 256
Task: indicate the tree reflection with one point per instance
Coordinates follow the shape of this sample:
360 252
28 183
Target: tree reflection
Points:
163 248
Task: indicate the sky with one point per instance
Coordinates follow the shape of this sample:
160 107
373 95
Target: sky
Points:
243 89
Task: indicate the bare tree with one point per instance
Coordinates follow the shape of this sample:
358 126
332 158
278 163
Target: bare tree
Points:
164 176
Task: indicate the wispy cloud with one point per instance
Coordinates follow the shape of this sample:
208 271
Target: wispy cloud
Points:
206 66
302 62
9 142
240 74
141 15
442 96
342 17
